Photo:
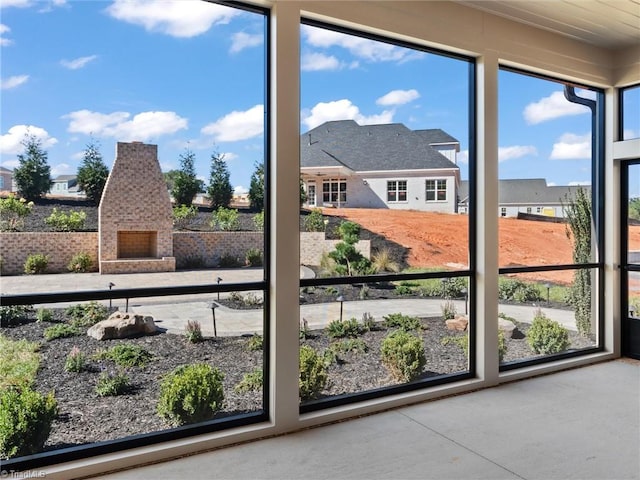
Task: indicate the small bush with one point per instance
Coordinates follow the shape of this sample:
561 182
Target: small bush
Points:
403 355
258 221
255 343
112 385
461 341
449 311
515 290
66 222
191 393
547 336
229 261
226 219
25 421
126 355
356 345
344 328
313 373
62 330
304 329
314 221
193 331
253 257
183 215
87 314
251 382
193 262
383 261
80 263
14 314
36 264
368 322
12 213
403 322
19 362
75 361
403 290
44 315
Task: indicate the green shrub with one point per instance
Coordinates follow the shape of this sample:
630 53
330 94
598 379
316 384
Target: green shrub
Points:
226 219
403 355
112 385
547 336
126 355
12 213
87 314
75 361
461 341
314 221
191 393
44 315
403 290
62 330
229 261
14 314
36 264
66 222
313 373
183 215
80 263
449 311
25 421
515 290
356 345
344 328
368 322
253 257
403 322
193 331
258 221
251 382
19 362
255 343
348 260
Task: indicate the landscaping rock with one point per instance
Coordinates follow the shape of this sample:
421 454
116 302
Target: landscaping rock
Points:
507 327
123 325
459 323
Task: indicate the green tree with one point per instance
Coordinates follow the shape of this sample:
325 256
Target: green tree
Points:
170 178
33 176
92 173
634 208
185 183
219 191
256 188
349 261
578 229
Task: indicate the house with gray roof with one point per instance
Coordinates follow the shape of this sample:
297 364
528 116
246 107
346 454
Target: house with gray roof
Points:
6 180
344 164
527 195
65 185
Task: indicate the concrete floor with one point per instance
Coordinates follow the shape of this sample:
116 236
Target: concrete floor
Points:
577 424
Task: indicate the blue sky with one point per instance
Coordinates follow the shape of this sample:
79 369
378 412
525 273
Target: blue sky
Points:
191 74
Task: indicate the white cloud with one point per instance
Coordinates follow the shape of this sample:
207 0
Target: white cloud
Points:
398 97
630 133
12 82
515 151
77 63
48 5
11 164
343 110
572 147
61 169
553 106
11 142
463 156
4 42
16 3
178 18
237 125
143 126
313 62
370 50
240 190
241 40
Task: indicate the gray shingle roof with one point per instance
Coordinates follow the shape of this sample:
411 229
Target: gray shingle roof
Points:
364 148
530 191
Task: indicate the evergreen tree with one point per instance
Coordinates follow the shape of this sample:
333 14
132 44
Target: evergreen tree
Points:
33 176
219 191
185 183
256 188
92 173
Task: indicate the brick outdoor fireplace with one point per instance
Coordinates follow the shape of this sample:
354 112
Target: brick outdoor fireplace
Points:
135 217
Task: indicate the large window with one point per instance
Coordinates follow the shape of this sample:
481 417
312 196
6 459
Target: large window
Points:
630 109
396 191
196 361
334 191
436 190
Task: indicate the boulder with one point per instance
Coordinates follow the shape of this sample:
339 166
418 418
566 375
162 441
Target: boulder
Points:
507 327
123 325
459 323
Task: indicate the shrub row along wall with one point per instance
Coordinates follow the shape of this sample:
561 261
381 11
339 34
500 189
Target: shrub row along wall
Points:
190 249
59 247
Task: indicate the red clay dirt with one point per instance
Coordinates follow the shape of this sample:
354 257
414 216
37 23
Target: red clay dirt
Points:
441 240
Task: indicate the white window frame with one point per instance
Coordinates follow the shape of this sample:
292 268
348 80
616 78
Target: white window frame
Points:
437 188
393 187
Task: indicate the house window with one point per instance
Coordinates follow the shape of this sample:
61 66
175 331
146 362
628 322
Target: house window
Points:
503 211
538 209
334 190
311 194
436 191
528 209
1 183
396 191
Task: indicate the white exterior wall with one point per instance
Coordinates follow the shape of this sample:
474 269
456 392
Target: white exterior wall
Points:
548 210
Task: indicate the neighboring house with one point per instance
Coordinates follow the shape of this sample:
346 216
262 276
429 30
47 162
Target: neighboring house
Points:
6 179
530 195
343 164
65 185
